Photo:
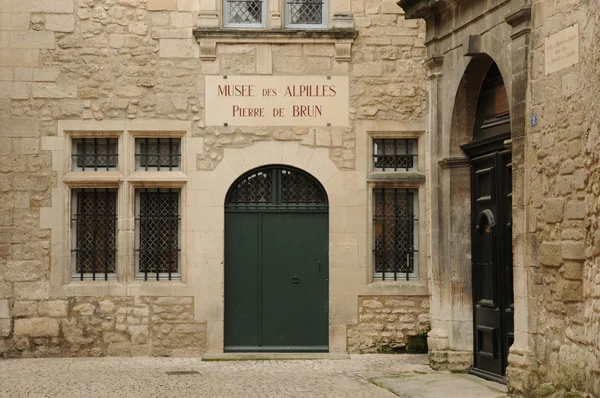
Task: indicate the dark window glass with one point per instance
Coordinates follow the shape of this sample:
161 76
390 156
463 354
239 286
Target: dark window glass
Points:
158 153
157 227
394 154
93 154
394 228
94 224
307 12
245 11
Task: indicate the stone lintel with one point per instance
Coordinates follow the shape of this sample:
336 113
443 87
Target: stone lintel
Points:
208 38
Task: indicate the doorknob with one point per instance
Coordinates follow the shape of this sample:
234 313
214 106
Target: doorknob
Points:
295 279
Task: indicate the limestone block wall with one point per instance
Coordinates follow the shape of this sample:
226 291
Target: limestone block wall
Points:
385 322
562 211
107 61
100 326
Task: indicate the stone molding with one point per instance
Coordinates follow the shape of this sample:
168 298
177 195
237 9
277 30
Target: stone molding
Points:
520 21
208 38
453 162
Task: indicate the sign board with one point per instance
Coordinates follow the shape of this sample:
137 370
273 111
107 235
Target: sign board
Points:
276 101
562 49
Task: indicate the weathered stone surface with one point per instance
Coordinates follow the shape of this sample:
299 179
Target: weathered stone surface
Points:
59 23
4 309
551 254
36 327
50 6
54 308
39 90
19 271
31 290
5 327
384 323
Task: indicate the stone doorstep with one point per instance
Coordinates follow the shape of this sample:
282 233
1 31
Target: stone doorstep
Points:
272 356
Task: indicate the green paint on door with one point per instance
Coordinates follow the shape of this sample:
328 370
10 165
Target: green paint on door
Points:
276 263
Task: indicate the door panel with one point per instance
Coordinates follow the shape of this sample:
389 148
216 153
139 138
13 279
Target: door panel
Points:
242 279
294 291
492 261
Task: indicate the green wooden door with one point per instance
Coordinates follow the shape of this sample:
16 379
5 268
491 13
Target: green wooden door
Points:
276 263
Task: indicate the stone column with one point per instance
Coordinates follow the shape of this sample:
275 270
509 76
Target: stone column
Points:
437 338
520 362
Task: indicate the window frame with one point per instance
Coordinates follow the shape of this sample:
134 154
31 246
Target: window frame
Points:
414 154
413 179
277 10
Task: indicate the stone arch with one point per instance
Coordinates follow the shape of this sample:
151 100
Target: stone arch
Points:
452 320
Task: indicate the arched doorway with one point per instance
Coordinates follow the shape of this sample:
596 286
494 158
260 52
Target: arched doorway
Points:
276 262
491 231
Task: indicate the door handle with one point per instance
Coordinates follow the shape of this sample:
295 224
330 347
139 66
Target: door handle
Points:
295 280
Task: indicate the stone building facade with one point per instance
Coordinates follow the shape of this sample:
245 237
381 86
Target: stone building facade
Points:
544 55
88 86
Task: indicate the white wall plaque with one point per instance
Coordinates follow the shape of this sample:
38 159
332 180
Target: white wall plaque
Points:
276 101
562 49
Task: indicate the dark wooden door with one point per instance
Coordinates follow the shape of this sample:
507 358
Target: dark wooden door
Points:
493 307
276 263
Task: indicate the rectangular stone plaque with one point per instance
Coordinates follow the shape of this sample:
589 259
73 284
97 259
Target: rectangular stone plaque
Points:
562 49
276 101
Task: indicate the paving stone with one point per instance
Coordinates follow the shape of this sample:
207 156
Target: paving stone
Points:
147 377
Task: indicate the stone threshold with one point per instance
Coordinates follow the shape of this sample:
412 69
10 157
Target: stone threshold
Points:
272 356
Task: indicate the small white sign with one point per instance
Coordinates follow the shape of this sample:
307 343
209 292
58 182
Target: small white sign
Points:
562 49
276 101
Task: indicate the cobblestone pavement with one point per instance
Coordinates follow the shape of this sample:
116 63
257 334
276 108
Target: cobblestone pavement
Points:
147 377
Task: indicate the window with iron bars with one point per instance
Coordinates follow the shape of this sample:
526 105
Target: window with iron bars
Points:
397 154
94 233
157 154
298 14
395 231
157 234
94 154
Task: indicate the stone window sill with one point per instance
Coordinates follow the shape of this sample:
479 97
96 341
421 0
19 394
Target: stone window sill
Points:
396 176
400 288
91 179
208 38
115 288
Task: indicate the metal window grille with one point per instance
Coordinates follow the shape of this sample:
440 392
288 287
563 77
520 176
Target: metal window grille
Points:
158 153
256 188
276 186
394 154
395 227
94 226
298 188
157 233
244 11
305 12
94 154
